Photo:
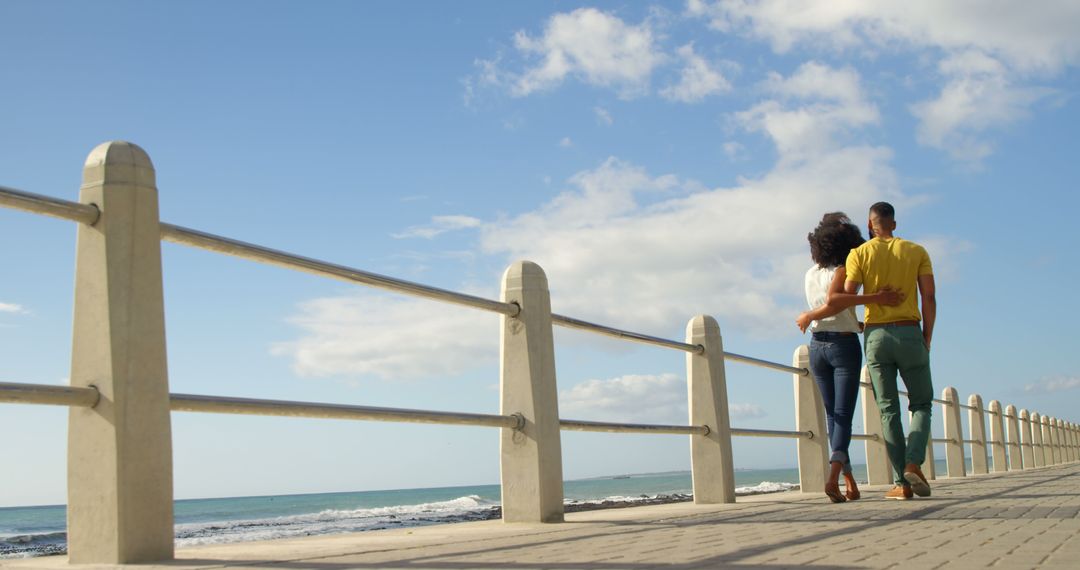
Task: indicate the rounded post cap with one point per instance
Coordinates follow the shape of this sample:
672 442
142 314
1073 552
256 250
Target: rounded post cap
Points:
523 271
118 162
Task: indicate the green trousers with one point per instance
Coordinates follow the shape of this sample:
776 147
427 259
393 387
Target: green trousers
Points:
890 350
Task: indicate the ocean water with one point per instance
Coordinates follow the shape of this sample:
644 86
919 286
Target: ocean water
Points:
38 531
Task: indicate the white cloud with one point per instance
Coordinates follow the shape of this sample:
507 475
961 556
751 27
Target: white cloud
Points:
1050 385
11 308
565 142
637 398
827 103
697 80
439 225
603 117
1029 35
389 337
979 95
593 46
989 49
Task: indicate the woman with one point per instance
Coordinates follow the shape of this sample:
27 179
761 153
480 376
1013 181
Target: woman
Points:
835 354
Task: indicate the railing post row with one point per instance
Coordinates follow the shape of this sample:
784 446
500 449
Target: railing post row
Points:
530 458
712 465
954 449
1016 461
997 437
977 427
809 416
120 493
878 468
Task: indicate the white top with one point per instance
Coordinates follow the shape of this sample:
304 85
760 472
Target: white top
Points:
818 280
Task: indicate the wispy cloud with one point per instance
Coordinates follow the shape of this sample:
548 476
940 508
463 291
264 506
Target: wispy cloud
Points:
637 398
697 80
565 142
603 117
1055 384
12 308
439 225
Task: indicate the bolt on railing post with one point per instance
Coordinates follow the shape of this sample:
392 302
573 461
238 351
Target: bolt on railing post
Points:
711 462
1037 441
997 437
120 491
954 449
977 427
1047 441
810 416
878 467
1016 461
530 458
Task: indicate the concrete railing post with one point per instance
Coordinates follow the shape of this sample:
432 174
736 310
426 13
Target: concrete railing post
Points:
531 458
1027 447
1037 450
711 462
1055 432
810 416
954 449
1073 443
1047 441
1016 461
977 427
120 491
997 437
878 468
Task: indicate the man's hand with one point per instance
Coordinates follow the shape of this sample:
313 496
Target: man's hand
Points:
889 296
803 321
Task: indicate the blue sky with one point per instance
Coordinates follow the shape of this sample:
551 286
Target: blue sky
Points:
658 160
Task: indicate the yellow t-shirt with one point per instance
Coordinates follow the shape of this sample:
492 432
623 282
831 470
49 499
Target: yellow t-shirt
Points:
894 262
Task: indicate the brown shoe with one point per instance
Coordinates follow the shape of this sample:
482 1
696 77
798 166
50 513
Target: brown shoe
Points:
913 475
899 493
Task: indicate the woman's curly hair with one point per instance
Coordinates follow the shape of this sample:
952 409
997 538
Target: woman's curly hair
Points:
833 238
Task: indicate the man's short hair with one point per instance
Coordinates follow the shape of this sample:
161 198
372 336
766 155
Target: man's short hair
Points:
884 210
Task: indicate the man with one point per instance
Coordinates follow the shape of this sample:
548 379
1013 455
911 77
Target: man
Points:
895 341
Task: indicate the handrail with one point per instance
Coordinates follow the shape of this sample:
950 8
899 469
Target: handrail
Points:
236 248
771 433
48 206
225 405
614 427
572 323
49 395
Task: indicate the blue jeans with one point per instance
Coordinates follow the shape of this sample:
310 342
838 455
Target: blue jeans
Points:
836 362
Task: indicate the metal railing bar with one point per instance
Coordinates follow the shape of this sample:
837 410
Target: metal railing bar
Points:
570 322
940 401
771 433
236 248
49 206
976 441
967 407
613 427
866 436
45 394
942 440
765 364
226 405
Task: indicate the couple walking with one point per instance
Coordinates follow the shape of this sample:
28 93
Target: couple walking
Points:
897 333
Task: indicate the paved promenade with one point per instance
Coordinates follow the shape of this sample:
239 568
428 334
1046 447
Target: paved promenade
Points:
1028 519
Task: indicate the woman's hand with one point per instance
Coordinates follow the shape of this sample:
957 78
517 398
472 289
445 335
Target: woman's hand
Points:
889 296
803 321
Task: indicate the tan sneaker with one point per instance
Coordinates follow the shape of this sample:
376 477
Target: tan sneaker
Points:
913 475
899 493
